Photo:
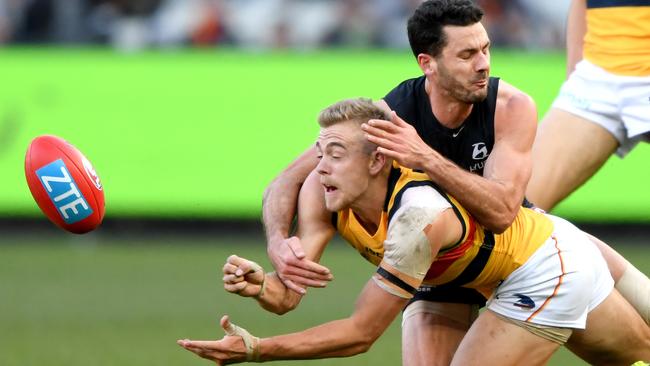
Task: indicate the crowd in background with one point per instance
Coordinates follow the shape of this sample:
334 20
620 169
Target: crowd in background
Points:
259 24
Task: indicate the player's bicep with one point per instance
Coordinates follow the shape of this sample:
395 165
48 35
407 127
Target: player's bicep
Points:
510 161
315 228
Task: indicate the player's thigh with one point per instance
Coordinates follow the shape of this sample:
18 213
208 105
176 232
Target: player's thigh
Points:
567 151
615 262
615 334
494 341
432 331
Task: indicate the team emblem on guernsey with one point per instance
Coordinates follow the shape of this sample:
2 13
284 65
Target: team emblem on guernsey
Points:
524 302
64 192
480 151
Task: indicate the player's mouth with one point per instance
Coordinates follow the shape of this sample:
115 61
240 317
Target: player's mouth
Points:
329 189
481 83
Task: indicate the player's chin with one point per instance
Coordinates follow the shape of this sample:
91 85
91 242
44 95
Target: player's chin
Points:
478 95
334 204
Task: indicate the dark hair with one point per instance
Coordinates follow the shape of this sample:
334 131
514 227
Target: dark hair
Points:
425 25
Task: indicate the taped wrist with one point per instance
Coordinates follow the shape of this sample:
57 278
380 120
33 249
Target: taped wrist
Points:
251 342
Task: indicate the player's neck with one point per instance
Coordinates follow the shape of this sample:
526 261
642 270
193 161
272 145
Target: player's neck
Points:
449 111
370 205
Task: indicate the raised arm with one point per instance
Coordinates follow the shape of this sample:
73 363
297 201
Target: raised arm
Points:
494 198
278 210
575 33
315 230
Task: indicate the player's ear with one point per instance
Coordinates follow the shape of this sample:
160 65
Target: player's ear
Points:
427 63
377 162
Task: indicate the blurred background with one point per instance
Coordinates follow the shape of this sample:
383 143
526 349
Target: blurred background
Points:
188 109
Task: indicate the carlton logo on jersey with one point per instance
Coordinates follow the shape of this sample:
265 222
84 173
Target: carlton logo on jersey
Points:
64 192
480 151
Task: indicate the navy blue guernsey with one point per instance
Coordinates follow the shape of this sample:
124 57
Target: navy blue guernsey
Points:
468 145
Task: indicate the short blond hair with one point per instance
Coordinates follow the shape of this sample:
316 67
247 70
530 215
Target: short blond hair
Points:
359 110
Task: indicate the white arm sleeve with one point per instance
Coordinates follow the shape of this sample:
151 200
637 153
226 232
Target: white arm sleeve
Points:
407 248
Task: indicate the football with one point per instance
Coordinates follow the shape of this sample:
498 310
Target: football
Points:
64 184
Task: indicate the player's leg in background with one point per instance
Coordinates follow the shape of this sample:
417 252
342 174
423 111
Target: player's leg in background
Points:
568 150
615 334
432 331
632 284
494 341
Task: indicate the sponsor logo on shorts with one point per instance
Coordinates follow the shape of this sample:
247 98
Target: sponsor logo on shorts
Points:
524 302
64 192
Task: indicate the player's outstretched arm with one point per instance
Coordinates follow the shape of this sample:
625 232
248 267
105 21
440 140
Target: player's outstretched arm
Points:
278 209
418 229
374 311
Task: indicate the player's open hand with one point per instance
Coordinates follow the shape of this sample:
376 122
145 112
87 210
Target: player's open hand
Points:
397 140
296 271
242 277
238 345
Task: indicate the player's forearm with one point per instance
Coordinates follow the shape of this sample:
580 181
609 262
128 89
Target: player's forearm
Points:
277 298
491 203
279 207
281 196
339 338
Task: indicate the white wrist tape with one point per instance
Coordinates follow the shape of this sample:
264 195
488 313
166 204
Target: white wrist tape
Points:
251 342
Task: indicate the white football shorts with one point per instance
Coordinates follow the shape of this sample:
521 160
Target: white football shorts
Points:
620 104
559 284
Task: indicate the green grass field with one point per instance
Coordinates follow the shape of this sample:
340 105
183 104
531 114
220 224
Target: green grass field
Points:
93 301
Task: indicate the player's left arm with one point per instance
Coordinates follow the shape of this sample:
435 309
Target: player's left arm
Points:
495 198
509 166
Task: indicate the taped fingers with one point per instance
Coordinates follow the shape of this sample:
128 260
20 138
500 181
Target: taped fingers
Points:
251 342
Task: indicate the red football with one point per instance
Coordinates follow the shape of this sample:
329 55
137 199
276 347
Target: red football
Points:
64 184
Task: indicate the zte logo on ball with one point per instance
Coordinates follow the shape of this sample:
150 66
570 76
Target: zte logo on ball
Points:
63 192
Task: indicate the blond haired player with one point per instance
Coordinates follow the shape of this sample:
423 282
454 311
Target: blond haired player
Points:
603 108
545 278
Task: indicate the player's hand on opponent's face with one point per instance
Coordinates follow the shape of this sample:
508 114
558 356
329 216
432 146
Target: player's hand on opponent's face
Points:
295 271
397 140
242 277
230 349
